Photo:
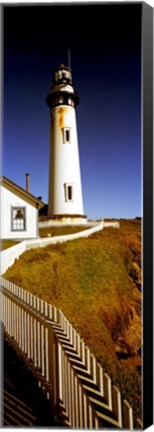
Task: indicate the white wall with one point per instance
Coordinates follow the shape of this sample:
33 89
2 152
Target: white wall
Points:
9 199
112 224
77 223
8 256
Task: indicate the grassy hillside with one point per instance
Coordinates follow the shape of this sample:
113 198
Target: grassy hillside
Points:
97 283
54 231
5 244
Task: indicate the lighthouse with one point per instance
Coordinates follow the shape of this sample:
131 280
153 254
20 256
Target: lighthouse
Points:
65 201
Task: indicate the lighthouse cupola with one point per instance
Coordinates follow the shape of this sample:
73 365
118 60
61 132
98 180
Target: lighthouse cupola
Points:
65 190
62 90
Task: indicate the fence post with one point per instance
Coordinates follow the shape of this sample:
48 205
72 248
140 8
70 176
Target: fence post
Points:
87 359
128 415
93 367
53 371
117 406
107 390
99 377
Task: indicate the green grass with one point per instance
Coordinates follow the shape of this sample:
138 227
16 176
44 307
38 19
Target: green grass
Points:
96 282
63 230
5 244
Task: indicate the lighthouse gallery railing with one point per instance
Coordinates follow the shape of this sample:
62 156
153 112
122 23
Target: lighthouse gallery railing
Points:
82 395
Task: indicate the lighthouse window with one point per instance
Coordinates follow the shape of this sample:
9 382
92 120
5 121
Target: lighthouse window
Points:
70 102
66 135
68 192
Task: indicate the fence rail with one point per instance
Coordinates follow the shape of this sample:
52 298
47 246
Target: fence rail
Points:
82 395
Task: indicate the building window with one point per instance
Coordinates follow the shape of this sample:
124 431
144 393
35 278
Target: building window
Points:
66 135
18 219
68 188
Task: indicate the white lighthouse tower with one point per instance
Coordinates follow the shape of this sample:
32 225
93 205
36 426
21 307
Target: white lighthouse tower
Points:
65 191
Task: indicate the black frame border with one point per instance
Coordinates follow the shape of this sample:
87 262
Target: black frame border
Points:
147 139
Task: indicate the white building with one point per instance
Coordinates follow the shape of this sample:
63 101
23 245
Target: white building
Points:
65 190
18 211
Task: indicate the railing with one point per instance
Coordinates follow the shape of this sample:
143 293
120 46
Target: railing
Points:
81 393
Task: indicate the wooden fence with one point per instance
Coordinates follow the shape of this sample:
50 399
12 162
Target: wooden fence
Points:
82 395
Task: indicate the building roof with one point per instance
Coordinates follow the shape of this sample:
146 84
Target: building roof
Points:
18 190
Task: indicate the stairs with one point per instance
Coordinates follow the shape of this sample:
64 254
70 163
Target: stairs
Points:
23 402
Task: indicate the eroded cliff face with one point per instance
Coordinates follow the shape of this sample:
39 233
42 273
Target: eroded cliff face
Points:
128 343
129 340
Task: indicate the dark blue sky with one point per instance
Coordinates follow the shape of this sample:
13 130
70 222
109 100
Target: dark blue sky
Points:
105 43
